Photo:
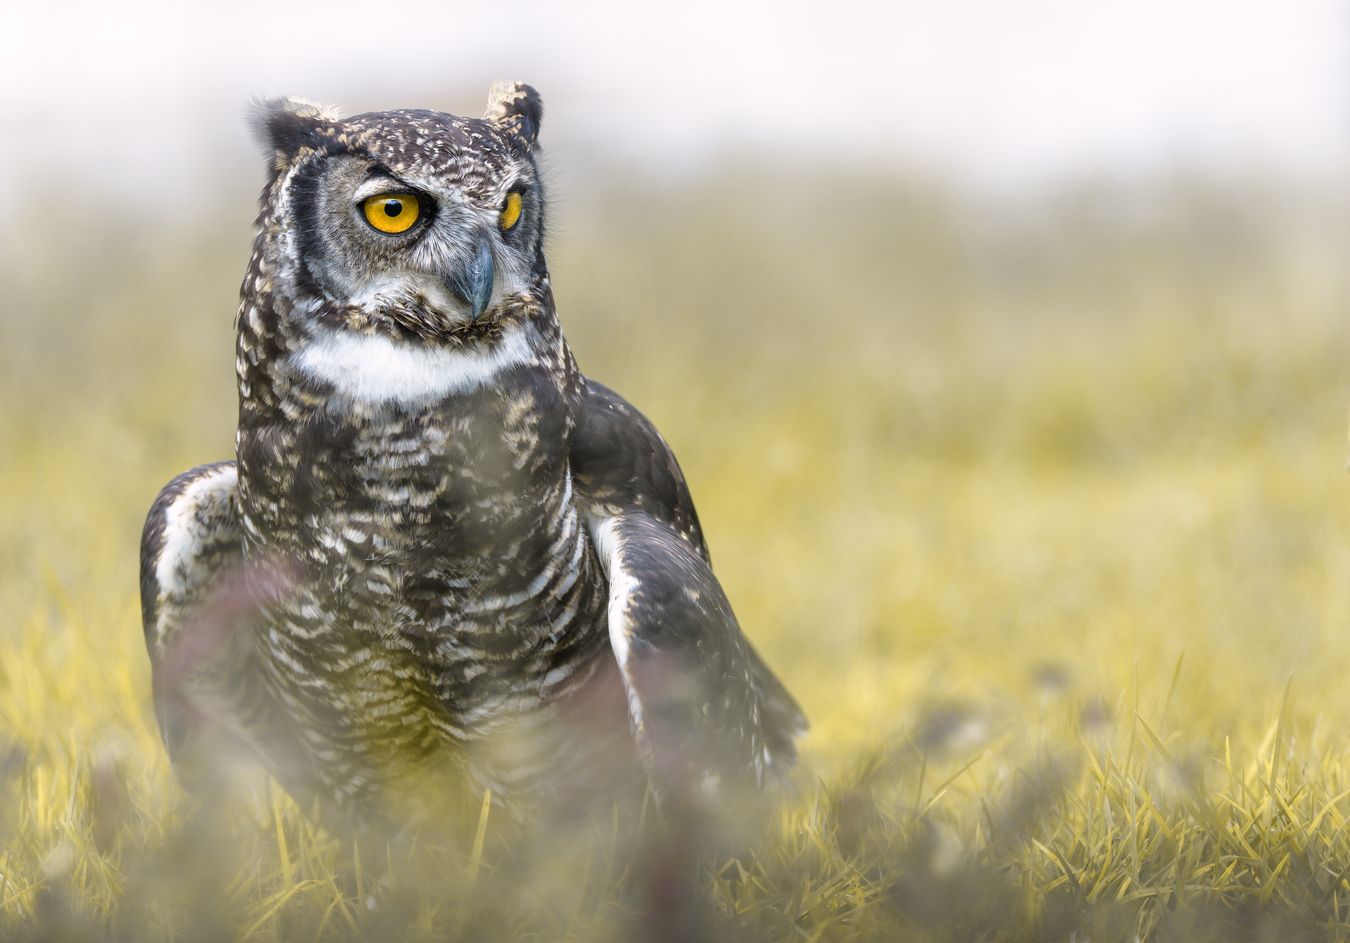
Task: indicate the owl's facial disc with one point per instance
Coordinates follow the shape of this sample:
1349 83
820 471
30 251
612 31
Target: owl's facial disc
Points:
394 214
420 254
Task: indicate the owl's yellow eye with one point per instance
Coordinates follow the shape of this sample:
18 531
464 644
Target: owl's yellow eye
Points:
510 212
392 213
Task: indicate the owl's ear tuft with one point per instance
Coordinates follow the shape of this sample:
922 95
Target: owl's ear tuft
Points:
285 125
516 107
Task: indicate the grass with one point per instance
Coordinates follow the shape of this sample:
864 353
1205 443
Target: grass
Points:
1039 508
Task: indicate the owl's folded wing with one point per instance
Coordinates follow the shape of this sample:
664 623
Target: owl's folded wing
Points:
707 712
196 595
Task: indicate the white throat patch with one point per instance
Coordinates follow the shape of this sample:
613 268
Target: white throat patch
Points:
370 368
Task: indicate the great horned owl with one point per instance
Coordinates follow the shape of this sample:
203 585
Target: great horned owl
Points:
439 542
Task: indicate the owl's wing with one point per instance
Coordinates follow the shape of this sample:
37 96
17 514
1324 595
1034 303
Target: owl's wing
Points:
196 594
706 709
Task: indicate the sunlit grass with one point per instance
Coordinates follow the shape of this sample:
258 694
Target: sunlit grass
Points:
1042 514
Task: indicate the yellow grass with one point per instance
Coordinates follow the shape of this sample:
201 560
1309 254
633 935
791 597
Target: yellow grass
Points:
1042 513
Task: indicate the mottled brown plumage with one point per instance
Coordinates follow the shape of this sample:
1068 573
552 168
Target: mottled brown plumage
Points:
440 549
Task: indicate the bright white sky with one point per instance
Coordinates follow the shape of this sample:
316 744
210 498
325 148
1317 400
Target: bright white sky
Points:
1006 91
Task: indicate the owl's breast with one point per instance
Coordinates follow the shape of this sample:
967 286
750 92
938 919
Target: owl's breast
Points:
455 477
443 569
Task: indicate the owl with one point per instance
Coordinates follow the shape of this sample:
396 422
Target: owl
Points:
441 550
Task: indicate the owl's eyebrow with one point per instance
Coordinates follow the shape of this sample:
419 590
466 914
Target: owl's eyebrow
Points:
380 183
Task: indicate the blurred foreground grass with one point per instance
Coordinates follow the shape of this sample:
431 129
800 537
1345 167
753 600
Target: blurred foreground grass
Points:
1039 508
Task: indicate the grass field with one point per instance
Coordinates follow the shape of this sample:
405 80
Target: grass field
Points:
1040 509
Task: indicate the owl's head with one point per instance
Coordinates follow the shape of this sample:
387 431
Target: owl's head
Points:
411 223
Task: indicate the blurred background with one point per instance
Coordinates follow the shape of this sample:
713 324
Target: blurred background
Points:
1004 345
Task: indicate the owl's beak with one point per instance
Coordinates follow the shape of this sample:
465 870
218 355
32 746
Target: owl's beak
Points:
473 283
